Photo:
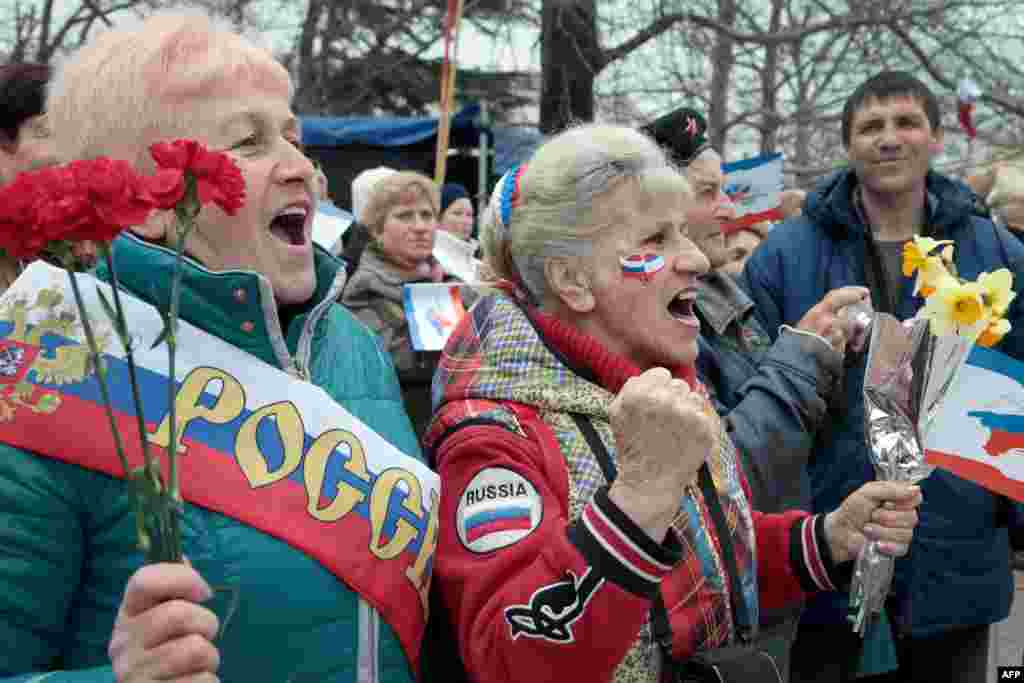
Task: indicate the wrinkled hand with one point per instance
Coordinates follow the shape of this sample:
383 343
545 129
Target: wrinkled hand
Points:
161 634
662 437
825 319
885 511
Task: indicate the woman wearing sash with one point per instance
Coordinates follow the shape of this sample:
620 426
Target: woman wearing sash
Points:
598 521
77 604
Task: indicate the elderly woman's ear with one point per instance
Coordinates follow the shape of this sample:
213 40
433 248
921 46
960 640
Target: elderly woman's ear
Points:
569 284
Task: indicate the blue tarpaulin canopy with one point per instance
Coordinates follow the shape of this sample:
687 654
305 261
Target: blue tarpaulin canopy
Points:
509 144
389 131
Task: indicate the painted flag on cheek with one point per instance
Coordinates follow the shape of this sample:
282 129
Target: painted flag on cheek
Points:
641 266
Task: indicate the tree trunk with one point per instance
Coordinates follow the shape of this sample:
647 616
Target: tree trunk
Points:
770 86
308 91
723 59
570 60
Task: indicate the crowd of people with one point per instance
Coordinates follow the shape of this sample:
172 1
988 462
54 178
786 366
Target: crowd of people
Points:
648 426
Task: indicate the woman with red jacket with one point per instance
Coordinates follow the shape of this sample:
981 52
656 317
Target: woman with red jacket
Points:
595 521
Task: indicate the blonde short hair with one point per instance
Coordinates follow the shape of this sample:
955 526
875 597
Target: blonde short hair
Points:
394 189
135 83
564 194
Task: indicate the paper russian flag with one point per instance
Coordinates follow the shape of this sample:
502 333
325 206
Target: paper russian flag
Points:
978 432
433 310
755 187
329 224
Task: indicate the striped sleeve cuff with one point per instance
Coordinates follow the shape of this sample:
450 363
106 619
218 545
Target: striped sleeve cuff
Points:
620 550
809 555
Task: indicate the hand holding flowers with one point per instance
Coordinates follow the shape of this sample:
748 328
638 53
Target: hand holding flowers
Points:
911 366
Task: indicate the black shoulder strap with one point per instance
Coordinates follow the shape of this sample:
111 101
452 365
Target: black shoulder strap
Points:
661 629
604 459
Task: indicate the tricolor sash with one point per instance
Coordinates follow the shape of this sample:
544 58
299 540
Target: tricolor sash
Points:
255 444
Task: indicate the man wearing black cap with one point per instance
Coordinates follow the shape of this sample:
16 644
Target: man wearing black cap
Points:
773 396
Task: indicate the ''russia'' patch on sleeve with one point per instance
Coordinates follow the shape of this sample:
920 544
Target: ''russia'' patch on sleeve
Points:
498 507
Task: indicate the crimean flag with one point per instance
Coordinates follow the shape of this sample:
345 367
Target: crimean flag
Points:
978 431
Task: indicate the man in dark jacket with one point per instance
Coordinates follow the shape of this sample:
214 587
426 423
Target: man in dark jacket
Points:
773 396
956 580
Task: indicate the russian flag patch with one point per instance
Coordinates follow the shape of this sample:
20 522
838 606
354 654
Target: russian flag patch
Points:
498 507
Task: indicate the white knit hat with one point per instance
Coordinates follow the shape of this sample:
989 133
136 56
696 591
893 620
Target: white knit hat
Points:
362 186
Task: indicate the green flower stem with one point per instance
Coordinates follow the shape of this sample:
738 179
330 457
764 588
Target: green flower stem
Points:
172 347
101 378
185 214
126 342
159 511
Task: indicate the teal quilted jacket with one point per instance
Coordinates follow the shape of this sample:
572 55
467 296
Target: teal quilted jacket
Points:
67 534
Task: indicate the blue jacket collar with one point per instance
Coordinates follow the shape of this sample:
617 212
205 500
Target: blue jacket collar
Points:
237 306
720 301
831 204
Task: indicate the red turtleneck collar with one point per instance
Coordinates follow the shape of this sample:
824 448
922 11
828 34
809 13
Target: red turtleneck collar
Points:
610 369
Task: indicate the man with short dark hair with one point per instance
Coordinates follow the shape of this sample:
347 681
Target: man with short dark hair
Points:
956 580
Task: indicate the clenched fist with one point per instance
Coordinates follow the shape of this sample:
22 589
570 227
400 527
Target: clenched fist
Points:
663 435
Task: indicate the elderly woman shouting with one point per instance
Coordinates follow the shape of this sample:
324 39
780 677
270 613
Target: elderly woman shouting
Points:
310 607
599 521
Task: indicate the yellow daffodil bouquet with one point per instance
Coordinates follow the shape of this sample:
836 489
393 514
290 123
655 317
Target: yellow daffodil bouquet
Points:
910 368
974 310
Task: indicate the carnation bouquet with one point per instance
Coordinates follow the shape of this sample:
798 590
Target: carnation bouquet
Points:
911 366
51 210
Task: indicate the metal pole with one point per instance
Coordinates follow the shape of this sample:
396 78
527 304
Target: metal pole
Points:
484 165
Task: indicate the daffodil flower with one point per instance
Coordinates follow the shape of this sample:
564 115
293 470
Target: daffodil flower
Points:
998 290
956 308
994 332
916 252
931 275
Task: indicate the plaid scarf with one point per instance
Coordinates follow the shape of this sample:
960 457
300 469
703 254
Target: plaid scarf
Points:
503 352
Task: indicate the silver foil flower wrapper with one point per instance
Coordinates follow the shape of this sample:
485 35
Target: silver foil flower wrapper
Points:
909 372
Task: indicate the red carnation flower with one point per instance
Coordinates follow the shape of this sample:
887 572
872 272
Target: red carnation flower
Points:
19 233
166 187
217 177
117 194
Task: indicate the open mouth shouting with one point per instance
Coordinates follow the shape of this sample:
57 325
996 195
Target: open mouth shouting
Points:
681 307
290 224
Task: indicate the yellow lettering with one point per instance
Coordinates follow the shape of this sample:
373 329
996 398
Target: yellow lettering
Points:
380 499
228 406
415 573
315 469
247 450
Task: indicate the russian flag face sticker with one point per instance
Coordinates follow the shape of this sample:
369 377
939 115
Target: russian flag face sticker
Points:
641 265
498 507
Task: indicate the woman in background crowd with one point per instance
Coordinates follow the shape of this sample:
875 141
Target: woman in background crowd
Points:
400 216
457 215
